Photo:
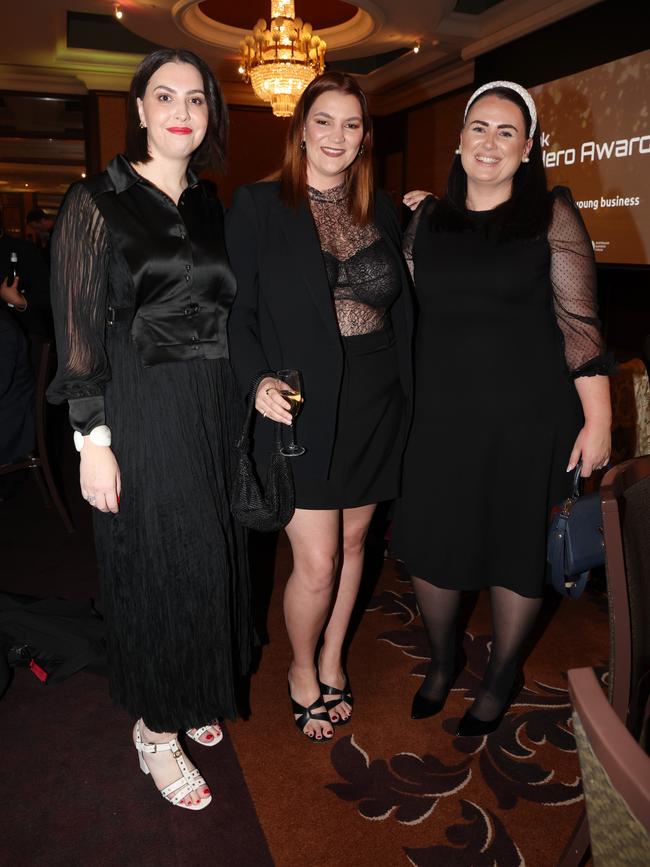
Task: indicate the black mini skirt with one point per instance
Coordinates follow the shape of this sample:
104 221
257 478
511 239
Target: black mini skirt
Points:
366 459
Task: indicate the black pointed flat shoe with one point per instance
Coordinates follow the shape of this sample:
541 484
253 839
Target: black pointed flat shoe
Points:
423 708
472 727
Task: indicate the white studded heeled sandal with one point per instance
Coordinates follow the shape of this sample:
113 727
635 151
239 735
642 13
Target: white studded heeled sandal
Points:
188 782
196 734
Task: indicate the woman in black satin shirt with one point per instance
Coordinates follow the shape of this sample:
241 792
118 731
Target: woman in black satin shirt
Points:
141 294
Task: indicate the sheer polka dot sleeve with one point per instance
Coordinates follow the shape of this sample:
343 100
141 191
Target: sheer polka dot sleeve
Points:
573 275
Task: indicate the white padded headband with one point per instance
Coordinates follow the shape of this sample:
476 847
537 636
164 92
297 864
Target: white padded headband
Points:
510 85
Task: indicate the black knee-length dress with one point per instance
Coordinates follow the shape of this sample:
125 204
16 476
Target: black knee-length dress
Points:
141 291
503 327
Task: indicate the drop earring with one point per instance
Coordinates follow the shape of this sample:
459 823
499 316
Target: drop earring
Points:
361 149
143 125
303 146
458 151
525 159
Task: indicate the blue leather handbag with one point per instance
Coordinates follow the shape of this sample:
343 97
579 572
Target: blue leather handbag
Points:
575 541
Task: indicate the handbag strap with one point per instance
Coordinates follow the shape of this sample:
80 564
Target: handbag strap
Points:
243 444
577 481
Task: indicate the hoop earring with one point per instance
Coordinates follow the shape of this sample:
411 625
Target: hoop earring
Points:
458 151
143 125
303 146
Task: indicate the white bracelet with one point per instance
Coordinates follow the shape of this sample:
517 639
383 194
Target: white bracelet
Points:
100 436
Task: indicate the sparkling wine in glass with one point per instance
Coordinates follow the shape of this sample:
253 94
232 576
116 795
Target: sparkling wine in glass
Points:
291 391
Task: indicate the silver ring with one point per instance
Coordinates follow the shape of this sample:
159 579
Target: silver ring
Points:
263 415
91 500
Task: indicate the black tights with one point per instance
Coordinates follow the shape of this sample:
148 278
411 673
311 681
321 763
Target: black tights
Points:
513 617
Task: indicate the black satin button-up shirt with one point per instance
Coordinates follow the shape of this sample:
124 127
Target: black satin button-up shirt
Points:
124 255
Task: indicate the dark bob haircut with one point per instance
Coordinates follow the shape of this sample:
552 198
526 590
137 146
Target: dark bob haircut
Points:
359 175
527 212
211 153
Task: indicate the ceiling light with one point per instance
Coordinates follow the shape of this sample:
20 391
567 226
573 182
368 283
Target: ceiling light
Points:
117 10
280 61
416 48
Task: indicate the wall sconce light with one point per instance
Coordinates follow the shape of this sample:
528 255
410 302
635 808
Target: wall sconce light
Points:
117 10
416 48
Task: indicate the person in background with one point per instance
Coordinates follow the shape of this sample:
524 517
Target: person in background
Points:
17 432
511 392
40 226
29 296
322 287
141 289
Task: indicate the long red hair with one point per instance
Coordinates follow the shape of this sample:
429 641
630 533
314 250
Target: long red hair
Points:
359 175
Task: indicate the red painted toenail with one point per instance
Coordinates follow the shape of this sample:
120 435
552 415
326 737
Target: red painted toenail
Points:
206 791
209 737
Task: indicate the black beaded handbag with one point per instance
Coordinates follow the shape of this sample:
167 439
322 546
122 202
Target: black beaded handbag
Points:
575 541
260 507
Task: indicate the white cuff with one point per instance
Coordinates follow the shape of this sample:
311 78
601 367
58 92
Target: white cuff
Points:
100 436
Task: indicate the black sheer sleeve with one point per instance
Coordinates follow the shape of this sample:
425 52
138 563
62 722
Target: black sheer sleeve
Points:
79 282
425 207
573 275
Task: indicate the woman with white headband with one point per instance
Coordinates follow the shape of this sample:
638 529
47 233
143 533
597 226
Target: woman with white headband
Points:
511 392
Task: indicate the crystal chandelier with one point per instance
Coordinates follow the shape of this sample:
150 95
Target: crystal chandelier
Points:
281 61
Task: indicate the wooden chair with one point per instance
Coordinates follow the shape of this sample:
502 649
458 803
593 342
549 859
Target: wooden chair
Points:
615 776
625 499
39 461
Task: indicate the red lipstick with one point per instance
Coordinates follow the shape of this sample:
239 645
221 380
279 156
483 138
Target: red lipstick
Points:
179 130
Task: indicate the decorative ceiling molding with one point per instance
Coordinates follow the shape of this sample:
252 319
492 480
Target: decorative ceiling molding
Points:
497 28
43 79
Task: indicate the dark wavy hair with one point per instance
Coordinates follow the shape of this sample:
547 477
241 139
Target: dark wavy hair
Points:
527 212
359 175
211 153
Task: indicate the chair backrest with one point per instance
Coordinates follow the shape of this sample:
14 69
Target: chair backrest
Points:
41 349
630 390
615 776
625 499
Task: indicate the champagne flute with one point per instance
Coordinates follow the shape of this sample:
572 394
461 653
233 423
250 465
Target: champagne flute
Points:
291 391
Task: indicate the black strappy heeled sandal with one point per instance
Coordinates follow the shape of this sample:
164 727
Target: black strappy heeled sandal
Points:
307 714
344 693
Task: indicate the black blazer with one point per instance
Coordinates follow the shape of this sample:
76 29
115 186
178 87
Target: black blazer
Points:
284 316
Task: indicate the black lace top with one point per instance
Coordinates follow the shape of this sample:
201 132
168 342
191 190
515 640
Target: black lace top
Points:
362 274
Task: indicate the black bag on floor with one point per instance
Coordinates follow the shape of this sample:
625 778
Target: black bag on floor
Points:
53 637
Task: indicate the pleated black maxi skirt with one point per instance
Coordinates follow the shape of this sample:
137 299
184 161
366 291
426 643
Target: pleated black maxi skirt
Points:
173 562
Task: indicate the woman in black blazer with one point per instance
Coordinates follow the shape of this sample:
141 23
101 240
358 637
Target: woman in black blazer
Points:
321 287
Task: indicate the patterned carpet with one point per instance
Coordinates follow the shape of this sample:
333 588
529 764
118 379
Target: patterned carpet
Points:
389 790
386 791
